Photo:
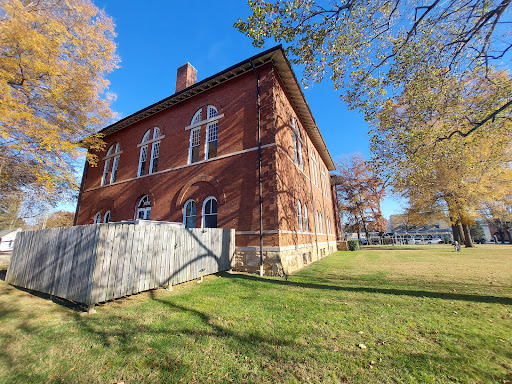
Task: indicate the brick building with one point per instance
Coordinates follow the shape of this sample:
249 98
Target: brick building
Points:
206 154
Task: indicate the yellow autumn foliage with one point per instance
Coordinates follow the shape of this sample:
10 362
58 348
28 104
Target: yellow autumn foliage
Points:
54 58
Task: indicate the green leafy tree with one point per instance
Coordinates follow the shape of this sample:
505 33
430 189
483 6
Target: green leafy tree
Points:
374 48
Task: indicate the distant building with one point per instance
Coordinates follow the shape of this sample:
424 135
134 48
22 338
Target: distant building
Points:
206 155
402 227
7 238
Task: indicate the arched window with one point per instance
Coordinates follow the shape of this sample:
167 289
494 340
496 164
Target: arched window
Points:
195 138
189 214
144 208
155 152
306 223
299 215
112 156
197 117
328 222
212 128
210 213
106 217
212 112
97 218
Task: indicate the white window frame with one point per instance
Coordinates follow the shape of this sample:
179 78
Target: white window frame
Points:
112 153
105 172
105 217
185 213
299 214
146 211
306 222
297 145
314 168
155 148
198 129
115 167
212 112
97 218
143 150
203 214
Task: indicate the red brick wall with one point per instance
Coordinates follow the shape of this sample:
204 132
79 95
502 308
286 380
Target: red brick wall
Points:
232 180
295 184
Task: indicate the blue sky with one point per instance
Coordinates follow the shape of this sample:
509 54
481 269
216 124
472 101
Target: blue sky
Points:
154 38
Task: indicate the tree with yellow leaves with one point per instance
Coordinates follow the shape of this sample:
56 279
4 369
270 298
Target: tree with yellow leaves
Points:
457 175
54 57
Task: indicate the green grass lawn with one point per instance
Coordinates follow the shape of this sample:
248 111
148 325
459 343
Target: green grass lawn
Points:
409 314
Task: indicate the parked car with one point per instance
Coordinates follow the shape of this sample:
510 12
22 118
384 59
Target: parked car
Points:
435 241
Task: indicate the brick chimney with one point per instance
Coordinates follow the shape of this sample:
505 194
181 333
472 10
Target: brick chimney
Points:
186 76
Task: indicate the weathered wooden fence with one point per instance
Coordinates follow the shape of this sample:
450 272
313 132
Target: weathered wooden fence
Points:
94 263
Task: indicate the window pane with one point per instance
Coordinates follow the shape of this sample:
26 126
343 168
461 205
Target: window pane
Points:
190 221
212 149
105 172
140 214
212 112
148 213
115 165
210 221
195 154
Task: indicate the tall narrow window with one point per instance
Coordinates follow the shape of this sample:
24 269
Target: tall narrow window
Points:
144 208
189 214
155 151
306 223
314 168
297 145
299 215
144 168
210 213
97 218
211 143
106 169
106 218
143 154
324 182
115 166
112 157
195 135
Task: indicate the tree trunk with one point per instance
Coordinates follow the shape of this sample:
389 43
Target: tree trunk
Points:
467 236
457 233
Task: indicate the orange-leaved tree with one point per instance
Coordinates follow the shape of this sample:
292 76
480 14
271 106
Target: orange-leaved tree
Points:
359 191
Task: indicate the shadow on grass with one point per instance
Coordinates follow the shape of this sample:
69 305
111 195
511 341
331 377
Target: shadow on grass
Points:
387 291
57 300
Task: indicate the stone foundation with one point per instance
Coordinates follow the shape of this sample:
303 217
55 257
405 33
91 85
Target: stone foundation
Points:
280 262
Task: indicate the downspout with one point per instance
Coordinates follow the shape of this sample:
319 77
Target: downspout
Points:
81 191
260 191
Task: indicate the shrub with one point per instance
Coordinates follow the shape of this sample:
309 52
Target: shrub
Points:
353 245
